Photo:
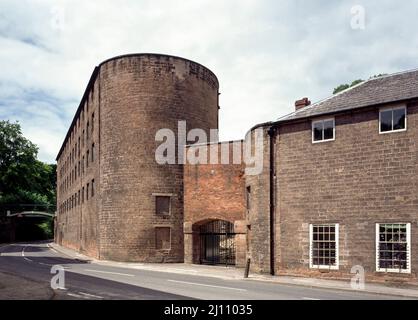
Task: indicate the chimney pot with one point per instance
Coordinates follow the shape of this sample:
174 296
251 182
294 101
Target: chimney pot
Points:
302 103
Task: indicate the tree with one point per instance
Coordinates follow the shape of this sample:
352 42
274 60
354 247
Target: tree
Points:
23 178
345 86
25 182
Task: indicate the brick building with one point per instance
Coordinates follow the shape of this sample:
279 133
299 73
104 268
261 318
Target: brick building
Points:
114 201
337 188
343 181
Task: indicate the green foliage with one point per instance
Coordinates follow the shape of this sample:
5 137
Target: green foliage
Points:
345 86
378 75
23 178
356 82
340 88
47 228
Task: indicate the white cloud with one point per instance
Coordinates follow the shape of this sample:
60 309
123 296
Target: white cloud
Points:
266 54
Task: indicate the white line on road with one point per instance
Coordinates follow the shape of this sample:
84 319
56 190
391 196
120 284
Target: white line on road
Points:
76 295
307 298
90 295
27 259
108 272
45 264
206 285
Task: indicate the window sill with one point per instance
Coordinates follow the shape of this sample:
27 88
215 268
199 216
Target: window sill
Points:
392 131
324 268
404 271
164 251
164 216
323 141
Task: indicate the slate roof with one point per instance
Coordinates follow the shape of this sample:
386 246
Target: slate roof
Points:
384 89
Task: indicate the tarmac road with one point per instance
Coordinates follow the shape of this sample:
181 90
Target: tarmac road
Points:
89 281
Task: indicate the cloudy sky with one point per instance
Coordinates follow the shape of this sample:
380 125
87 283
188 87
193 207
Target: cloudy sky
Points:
266 54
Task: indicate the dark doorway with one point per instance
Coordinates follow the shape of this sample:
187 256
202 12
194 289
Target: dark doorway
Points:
217 243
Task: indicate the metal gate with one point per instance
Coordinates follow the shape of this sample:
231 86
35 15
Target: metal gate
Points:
217 243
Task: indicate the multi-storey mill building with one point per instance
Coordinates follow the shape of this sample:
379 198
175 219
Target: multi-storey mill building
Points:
115 202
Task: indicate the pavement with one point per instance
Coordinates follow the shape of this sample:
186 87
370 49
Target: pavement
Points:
89 279
18 288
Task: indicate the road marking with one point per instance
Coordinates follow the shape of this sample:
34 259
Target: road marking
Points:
108 272
52 248
206 285
23 255
45 264
91 295
76 295
187 270
307 298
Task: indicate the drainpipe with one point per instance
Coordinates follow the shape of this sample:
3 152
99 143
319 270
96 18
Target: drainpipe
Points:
272 132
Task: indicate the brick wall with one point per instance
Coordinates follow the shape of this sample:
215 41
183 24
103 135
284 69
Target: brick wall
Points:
77 223
7 230
133 97
259 213
141 95
214 192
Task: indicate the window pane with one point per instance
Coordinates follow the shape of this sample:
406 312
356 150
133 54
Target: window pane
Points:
385 120
328 129
393 247
399 116
317 128
324 245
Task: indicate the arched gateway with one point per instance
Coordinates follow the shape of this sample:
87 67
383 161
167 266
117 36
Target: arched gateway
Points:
217 243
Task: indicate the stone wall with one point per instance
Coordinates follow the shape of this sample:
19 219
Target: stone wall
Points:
360 179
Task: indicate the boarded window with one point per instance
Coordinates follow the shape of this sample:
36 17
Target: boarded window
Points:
248 198
162 205
162 238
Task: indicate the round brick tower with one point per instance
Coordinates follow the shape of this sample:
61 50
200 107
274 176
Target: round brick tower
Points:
139 95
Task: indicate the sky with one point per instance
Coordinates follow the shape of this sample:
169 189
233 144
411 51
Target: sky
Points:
266 54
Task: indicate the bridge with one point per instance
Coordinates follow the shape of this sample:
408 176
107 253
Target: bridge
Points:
30 214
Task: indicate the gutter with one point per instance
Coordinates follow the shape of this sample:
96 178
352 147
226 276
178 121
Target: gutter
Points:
272 133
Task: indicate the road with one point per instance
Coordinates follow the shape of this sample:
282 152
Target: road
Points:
95 282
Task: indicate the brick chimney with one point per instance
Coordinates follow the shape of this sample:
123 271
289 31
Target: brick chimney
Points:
302 103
